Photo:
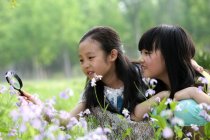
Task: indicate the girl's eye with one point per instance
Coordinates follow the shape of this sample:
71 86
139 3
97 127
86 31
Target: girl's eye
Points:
80 60
91 57
146 52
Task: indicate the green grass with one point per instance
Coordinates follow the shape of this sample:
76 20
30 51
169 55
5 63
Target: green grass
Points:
52 88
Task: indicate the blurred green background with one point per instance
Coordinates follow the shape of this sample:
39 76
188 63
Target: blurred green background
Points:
39 38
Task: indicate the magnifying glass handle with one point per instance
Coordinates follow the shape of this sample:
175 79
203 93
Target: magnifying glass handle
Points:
21 92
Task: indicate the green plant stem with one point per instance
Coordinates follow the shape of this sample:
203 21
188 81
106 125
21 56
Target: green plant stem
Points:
97 98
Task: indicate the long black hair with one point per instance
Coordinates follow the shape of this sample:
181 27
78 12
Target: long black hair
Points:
127 72
177 49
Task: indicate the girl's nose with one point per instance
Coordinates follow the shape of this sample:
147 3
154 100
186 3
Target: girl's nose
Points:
141 59
86 65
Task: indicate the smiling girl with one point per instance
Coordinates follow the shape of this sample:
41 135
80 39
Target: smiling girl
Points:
166 53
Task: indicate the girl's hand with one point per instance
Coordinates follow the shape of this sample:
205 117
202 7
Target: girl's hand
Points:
196 66
29 98
185 93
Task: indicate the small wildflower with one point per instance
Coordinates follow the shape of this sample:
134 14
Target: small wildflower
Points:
83 123
176 120
167 133
178 108
203 80
22 128
153 83
166 113
205 115
64 115
93 82
168 101
189 134
66 94
149 92
12 90
12 132
9 74
145 116
87 112
95 79
200 89
81 114
73 121
3 89
194 127
125 112
36 123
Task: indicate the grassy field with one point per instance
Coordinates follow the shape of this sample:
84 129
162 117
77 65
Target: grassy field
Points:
49 89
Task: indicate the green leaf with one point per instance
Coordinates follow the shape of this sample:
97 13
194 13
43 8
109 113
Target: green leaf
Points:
206 130
178 132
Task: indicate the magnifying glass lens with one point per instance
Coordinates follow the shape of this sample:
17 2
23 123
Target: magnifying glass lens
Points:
14 82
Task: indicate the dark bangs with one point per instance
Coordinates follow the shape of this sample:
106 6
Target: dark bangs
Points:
149 40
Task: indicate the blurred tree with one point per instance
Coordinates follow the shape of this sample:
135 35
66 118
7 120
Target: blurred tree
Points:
40 38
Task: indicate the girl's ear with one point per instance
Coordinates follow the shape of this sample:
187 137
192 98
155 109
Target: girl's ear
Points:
113 55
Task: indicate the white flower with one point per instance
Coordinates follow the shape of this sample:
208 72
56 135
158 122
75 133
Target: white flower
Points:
95 79
153 82
9 74
167 133
203 80
149 92
194 127
189 134
125 112
93 82
166 113
87 112
178 108
176 120
168 101
145 116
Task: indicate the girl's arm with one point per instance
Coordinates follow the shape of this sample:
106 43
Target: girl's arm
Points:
192 93
145 107
74 113
79 108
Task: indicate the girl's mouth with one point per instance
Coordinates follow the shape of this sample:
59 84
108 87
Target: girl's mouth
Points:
90 74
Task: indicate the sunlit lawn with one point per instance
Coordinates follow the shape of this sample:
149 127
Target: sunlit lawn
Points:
49 89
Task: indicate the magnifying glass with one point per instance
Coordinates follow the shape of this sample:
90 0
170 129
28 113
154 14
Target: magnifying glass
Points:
14 80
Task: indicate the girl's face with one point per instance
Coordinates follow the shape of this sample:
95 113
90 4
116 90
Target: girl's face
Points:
93 59
153 64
